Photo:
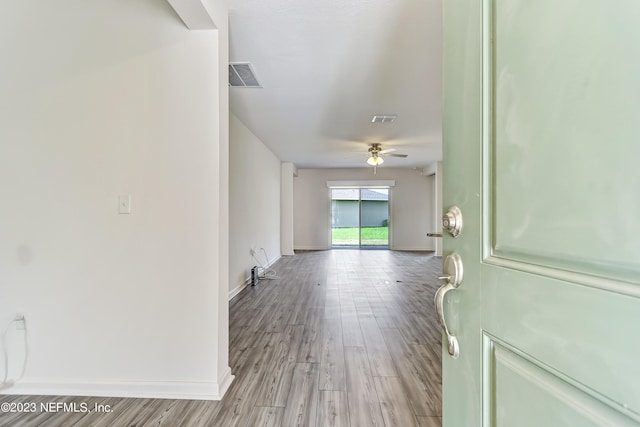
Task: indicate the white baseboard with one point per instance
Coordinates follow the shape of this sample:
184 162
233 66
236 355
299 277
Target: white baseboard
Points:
393 248
273 261
224 382
415 249
235 291
189 390
312 248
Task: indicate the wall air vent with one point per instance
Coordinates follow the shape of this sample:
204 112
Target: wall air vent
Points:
384 118
241 75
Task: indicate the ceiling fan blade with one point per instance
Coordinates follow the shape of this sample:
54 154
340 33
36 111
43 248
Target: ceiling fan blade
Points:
398 155
388 150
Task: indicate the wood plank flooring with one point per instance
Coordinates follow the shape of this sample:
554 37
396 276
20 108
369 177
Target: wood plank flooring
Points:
341 338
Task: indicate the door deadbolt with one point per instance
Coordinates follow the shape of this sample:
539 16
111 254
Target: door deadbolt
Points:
452 221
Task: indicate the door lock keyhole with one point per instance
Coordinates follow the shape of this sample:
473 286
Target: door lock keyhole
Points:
452 221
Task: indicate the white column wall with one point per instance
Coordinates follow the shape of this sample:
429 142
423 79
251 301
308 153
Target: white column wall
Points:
439 208
289 171
100 99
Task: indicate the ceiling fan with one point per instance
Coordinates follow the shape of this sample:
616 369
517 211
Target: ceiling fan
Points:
376 151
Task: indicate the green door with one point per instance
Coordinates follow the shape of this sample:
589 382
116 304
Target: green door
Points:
542 157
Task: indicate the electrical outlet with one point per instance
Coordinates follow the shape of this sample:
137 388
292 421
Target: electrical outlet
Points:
252 251
124 204
20 321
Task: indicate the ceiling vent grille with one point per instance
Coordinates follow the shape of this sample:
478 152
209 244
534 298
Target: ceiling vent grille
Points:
384 118
241 75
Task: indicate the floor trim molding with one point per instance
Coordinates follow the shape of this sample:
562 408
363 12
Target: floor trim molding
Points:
190 390
235 291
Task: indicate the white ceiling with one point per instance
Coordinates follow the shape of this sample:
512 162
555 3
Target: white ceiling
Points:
327 66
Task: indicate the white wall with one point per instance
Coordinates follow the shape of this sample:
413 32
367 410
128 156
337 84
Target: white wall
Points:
435 170
411 206
98 99
287 173
254 203
438 211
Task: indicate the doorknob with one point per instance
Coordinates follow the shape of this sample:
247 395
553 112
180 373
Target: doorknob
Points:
452 273
452 221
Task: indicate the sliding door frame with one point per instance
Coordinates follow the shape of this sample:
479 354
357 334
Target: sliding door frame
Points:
389 215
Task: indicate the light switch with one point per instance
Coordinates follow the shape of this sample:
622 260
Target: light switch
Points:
124 204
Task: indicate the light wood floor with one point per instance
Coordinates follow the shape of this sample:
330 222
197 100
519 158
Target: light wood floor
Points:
343 338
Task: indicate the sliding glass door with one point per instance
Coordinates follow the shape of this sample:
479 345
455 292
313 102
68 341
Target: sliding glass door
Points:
374 218
345 217
360 218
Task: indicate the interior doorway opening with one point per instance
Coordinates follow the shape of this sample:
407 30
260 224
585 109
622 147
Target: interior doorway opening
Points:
360 218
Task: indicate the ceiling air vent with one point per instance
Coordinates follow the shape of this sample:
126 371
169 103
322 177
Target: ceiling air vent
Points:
384 118
241 75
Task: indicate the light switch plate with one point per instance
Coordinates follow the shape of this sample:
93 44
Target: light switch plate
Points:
124 204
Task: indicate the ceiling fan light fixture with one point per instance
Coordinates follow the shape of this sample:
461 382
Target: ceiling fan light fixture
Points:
374 160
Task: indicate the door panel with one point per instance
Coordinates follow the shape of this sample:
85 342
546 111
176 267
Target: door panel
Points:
541 127
550 400
587 334
566 102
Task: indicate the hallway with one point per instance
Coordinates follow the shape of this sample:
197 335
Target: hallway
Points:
342 337
345 336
